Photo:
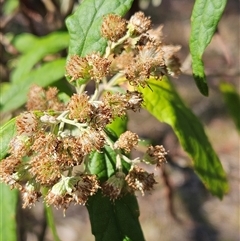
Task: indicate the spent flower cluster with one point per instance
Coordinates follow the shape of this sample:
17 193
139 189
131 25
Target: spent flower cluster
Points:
55 140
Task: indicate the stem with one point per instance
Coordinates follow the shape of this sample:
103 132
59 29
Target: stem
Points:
70 122
50 218
51 223
80 89
95 95
110 84
111 46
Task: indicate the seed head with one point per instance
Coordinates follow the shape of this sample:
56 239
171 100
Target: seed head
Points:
139 24
9 172
139 179
86 186
99 66
155 155
127 141
30 194
113 187
26 124
79 108
134 100
113 27
91 140
44 168
77 68
40 99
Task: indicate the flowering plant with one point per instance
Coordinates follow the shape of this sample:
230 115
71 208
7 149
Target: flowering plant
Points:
76 149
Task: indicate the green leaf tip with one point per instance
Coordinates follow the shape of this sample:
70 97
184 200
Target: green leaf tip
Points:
204 20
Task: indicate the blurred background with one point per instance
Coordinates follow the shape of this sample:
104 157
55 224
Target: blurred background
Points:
179 208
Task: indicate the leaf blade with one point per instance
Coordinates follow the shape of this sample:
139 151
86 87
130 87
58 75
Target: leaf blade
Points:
163 102
8 206
40 47
204 20
114 221
232 101
7 131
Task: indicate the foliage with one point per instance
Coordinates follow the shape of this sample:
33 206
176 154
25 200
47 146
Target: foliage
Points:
205 17
113 215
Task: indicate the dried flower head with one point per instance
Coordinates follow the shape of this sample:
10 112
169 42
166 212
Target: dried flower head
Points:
91 140
113 187
72 189
151 54
40 99
171 61
45 143
71 152
9 172
119 62
155 155
79 108
137 73
30 194
27 124
86 186
139 179
139 24
20 146
127 141
113 27
44 168
77 68
102 115
116 103
99 66
58 199
134 100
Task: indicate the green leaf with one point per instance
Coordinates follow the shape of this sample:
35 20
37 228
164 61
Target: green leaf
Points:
36 51
24 42
232 100
45 75
163 102
8 206
84 25
10 6
119 125
117 220
7 132
102 164
204 20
